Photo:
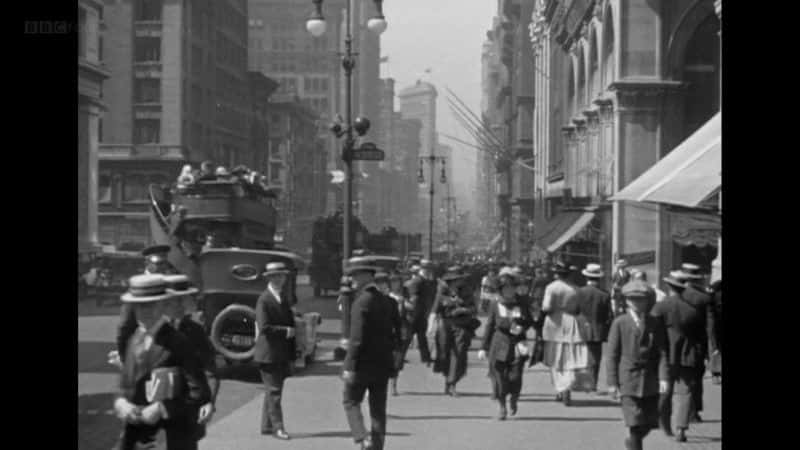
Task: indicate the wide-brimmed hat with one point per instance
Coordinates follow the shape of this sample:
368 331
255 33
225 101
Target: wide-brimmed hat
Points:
637 290
560 268
350 270
692 271
593 271
146 288
381 277
676 278
276 268
427 264
180 285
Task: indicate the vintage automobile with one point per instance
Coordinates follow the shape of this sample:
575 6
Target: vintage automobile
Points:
221 234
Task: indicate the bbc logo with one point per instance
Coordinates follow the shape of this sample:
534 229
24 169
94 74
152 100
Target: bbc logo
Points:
49 27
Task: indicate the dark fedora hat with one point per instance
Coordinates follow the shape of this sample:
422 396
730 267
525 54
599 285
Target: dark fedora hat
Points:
637 290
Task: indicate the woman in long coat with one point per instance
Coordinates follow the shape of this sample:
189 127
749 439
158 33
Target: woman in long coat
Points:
399 293
565 352
504 341
453 320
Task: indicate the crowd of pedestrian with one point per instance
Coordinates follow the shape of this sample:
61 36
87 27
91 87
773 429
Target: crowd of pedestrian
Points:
658 346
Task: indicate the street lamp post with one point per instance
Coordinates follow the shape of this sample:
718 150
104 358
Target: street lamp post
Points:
316 26
432 160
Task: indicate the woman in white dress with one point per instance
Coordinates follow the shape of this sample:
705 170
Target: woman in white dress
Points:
565 352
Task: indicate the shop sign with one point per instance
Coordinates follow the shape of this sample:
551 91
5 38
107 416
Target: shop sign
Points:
639 258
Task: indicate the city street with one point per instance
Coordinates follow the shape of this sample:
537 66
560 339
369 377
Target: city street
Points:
420 418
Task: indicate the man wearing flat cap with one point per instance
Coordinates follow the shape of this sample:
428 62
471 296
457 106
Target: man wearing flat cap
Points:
637 362
684 313
369 362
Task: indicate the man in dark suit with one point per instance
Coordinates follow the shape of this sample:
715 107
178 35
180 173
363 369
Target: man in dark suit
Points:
275 347
594 316
620 278
183 309
684 314
369 363
637 362
423 291
159 384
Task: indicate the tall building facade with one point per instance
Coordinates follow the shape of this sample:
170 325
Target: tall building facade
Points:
419 102
91 75
614 98
179 94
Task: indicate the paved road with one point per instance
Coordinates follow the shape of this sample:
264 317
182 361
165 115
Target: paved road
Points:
420 418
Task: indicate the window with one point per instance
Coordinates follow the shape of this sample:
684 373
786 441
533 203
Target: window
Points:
148 49
147 90
146 131
324 85
135 189
149 10
81 33
104 188
197 60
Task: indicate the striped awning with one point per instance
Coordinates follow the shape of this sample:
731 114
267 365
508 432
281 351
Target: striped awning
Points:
687 176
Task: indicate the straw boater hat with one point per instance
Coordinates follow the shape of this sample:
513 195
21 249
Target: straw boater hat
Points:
692 271
637 290
145 289
427 264
676 278
180 285
593 271
276 268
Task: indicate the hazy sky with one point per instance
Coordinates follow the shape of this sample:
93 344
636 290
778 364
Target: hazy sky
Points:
445 36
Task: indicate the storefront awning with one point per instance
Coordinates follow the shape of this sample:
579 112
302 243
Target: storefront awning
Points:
553 234
688 175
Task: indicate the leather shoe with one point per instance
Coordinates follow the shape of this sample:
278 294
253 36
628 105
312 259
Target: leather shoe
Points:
266 432
453 392
512 404
696 418
567 398
681 436
281 434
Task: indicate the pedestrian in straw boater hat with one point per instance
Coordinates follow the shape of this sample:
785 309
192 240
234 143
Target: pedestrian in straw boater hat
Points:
637 363
182 308
275 346
595 314
158 374
685 311
369 363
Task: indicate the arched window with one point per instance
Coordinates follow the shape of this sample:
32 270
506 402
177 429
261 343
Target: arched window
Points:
134 189
608 49
593 66
570 106
701 72
581 98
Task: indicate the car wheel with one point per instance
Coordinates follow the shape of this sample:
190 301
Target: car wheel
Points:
234 320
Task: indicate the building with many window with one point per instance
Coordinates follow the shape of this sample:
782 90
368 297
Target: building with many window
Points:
613 101
179 93
91 75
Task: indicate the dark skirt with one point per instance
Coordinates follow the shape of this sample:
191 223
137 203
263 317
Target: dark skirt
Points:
452 347
640 411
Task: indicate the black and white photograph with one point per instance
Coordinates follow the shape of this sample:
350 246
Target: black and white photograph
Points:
398 224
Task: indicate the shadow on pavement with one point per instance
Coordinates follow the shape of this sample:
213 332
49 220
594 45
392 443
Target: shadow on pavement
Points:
592 403
339 434
93 357
441 394
97 429
569 419
248 373
438 417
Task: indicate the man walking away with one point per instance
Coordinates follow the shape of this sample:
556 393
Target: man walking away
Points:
369 362
594 316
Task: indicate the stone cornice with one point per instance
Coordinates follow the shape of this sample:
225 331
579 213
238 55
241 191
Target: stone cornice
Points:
645 94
